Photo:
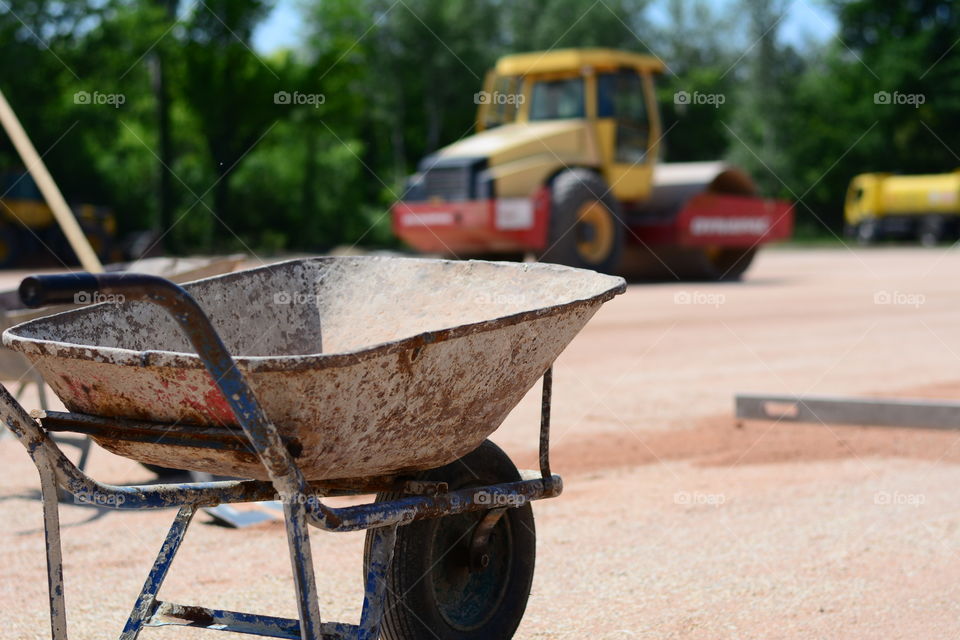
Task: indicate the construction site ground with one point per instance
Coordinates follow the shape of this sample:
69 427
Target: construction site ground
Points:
677 520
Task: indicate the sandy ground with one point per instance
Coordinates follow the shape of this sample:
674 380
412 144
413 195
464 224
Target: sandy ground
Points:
677 521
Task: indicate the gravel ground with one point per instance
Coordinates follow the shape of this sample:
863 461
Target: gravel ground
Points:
677 521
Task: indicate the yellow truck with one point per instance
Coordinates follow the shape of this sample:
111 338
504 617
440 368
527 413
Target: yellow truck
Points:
565 164
921 207
28 227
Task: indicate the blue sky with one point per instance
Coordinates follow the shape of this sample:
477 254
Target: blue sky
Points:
806 20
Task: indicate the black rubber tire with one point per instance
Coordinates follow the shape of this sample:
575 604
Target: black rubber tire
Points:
432 554
728 265
570 191
867 232
932 231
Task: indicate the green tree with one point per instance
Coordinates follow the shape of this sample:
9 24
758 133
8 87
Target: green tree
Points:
766 73
538 25
845 117
229 89
695 45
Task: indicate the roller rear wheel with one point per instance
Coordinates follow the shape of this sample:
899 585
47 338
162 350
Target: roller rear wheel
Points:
932 231
585 228
463 577
725 264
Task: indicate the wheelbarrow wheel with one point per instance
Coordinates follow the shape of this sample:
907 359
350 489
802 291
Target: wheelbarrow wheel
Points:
441 584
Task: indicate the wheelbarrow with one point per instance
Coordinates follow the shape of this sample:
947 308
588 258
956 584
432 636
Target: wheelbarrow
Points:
314 378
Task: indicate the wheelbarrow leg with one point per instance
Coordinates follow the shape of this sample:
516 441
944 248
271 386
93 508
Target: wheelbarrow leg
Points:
51 531
146 601
298 537
375 586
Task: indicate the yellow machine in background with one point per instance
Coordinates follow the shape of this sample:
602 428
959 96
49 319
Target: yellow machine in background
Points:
28 226
566 165
923 207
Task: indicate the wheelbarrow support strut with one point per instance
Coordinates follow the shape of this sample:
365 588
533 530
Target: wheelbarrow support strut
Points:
302 505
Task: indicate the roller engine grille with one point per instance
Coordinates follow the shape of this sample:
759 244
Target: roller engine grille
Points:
448 183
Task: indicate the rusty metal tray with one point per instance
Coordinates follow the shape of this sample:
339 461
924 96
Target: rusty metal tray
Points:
372 365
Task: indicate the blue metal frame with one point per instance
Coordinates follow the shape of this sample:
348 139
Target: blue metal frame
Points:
302 506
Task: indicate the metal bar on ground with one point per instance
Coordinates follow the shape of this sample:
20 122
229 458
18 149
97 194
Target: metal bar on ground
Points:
171 613
881 412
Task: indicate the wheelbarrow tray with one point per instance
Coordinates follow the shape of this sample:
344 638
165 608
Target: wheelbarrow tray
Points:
367 366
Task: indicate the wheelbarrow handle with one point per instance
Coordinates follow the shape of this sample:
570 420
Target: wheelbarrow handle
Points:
78 288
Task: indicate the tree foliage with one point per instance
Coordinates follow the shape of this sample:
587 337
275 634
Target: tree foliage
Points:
217 146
